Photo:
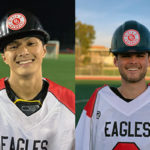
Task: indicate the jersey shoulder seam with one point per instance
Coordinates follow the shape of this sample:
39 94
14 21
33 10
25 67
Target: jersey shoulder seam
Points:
89 107
2 83
62 94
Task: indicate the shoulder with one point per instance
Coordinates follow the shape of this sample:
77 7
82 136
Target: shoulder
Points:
2 83
89 107
64 95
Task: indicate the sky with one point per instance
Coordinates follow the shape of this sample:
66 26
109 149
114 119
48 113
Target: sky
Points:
107 15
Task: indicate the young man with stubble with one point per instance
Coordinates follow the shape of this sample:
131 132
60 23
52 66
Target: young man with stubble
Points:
118 118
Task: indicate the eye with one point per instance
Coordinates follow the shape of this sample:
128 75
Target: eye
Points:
13 47
31 43
140 55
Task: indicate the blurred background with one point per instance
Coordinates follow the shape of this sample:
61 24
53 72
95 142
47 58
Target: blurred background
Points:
96 22
58 19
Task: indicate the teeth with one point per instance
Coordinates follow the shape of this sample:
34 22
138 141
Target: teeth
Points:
132 69
25 62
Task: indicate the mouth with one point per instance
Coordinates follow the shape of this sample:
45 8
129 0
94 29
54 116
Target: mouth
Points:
22 62
133 69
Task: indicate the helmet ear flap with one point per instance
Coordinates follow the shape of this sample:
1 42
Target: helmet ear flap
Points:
130 37
19 24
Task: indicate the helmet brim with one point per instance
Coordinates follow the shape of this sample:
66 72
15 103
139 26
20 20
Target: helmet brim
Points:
130 50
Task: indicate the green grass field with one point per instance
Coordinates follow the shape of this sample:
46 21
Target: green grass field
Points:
84 90
59 70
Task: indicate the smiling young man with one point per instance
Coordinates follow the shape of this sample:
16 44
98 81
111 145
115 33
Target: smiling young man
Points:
35 113
118 118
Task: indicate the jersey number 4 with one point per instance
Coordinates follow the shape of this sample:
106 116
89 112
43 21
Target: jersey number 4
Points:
126 146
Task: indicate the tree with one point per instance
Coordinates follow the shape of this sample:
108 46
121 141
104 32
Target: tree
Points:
85 34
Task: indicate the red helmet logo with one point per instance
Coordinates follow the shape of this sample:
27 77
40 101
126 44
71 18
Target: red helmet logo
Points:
16 21
131 37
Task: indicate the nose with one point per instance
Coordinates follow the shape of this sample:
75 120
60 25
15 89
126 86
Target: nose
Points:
133 59
23 51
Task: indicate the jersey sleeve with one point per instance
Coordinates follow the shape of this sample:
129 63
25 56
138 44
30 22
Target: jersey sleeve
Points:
84 126
64 95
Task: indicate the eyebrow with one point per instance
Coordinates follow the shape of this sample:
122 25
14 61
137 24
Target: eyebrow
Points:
26 38
17 40
14 42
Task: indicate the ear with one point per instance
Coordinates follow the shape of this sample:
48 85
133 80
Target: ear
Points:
116 61
44 51
4 58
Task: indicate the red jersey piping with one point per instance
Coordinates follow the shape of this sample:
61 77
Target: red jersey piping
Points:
64 95
90 104
2 83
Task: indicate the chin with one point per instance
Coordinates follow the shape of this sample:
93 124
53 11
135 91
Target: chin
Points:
25 73
134 80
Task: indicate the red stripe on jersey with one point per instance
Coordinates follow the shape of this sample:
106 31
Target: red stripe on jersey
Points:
2 83
64 95
89 107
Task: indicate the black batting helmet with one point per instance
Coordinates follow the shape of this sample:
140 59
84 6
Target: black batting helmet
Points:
18 24
130 37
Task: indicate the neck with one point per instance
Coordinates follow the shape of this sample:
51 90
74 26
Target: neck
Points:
26 87
132 90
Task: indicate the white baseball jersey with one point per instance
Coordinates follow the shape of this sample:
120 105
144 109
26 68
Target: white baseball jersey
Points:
110 123
50 128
